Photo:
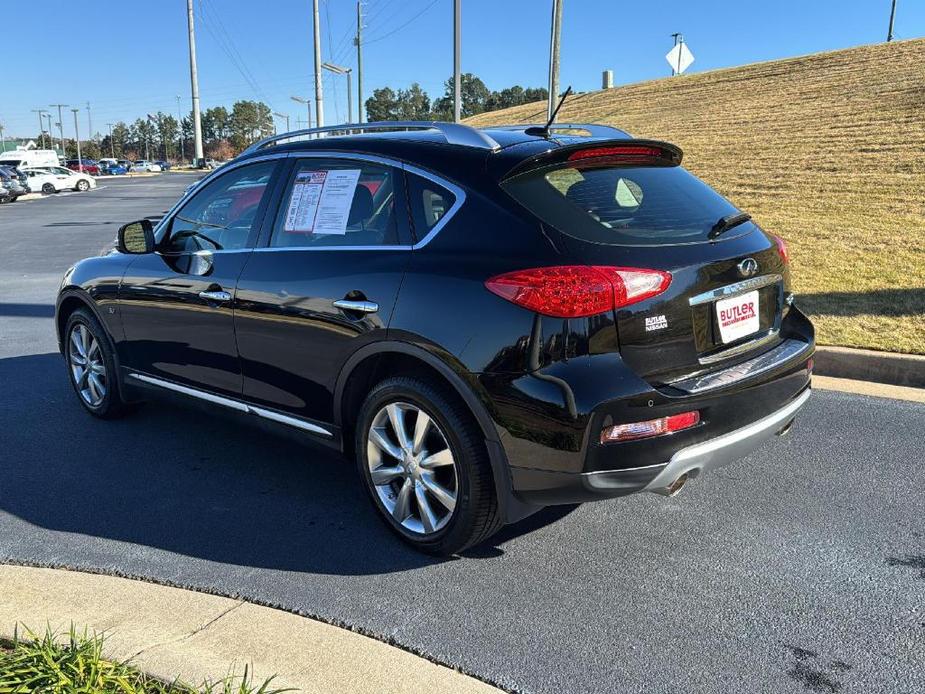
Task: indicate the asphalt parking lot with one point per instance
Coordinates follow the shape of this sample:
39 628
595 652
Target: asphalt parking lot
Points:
800 569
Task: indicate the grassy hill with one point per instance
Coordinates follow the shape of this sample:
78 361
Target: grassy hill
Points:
826 150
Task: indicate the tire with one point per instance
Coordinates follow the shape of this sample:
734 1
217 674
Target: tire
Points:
84 336
49 189
473 514
82 186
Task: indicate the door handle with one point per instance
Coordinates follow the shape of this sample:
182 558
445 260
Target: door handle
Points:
215 296
359 306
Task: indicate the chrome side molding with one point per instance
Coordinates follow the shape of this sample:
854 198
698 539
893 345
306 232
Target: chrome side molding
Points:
230 403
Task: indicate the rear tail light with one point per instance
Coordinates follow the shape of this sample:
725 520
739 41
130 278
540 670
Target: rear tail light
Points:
650 428
782 250
573 291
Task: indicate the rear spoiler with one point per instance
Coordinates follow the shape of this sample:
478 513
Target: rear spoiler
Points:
600 152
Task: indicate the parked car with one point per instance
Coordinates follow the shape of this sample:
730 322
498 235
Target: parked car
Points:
21 158
53 179
125 163
165 165
111 169
145 166
14 183
487 321
87 166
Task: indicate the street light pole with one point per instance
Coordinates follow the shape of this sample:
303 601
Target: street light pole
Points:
50 140
308 107
112 146
61 127
80 163
283 115
40 111
341 70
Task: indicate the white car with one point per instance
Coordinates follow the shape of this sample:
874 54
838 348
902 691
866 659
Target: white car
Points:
147 166
53 179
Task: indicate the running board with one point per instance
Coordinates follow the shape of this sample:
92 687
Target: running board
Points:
233 404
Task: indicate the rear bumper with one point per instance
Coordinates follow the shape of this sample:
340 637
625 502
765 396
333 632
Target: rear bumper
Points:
544 487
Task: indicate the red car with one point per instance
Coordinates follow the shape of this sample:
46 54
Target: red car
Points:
89 166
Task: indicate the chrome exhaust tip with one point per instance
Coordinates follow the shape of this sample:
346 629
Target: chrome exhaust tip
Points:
785 430
673 488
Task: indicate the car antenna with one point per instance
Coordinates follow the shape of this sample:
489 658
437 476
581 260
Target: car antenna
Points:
544 131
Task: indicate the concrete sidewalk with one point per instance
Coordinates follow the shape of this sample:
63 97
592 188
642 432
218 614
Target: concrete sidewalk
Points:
170 632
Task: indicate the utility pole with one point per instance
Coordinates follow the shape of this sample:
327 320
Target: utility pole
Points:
194 84
40 111
308 107
61 127
112 146
319 92
2 139
283 115
180 123
457 84
556 33
80 163
89 123
889 35
358 41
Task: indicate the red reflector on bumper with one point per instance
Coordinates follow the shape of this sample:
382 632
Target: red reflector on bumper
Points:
650 428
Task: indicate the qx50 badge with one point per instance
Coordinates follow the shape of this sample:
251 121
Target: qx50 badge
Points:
748 267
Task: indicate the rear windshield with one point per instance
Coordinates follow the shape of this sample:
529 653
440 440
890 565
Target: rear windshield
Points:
632 205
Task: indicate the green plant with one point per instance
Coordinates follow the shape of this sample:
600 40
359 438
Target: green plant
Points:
49 664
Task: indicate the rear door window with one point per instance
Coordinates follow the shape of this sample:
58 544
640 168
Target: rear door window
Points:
342 203
623 205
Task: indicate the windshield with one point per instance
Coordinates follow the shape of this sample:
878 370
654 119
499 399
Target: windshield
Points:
620 205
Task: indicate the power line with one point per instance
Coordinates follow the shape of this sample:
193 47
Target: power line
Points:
399 28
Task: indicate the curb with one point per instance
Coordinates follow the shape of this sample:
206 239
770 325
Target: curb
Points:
170 632
866 365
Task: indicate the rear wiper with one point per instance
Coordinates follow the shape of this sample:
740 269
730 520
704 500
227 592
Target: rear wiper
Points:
728 222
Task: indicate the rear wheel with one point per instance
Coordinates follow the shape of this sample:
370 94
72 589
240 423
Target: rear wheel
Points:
82 186
48 189
91 366
423 460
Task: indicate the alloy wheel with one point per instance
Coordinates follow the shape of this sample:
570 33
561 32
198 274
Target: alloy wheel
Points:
412 468
85 357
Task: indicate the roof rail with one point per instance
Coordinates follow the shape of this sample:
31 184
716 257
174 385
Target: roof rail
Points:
594 129
455 133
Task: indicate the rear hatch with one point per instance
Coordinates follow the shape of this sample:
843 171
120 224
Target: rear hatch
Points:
628 204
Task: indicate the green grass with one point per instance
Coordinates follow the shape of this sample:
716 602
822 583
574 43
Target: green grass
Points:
74 664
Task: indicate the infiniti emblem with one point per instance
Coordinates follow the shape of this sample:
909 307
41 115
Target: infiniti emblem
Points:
748 267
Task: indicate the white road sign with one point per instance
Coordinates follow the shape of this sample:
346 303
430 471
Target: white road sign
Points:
680 58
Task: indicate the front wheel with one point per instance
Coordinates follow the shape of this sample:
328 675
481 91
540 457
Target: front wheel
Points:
82 186
92 366
424 463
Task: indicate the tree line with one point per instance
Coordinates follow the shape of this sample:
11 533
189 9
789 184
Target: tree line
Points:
415 104
225 133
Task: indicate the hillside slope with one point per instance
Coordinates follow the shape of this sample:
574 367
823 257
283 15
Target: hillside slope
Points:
826 150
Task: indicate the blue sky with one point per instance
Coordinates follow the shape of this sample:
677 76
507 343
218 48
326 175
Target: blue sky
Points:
132 57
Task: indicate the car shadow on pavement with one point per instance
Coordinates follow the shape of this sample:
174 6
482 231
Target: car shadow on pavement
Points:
192 483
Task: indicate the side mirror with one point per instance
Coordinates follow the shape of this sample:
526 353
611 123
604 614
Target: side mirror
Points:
137 237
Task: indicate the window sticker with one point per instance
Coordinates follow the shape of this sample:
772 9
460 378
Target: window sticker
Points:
336 201
303 203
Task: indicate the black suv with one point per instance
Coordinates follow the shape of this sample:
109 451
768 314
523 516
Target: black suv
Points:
488 321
